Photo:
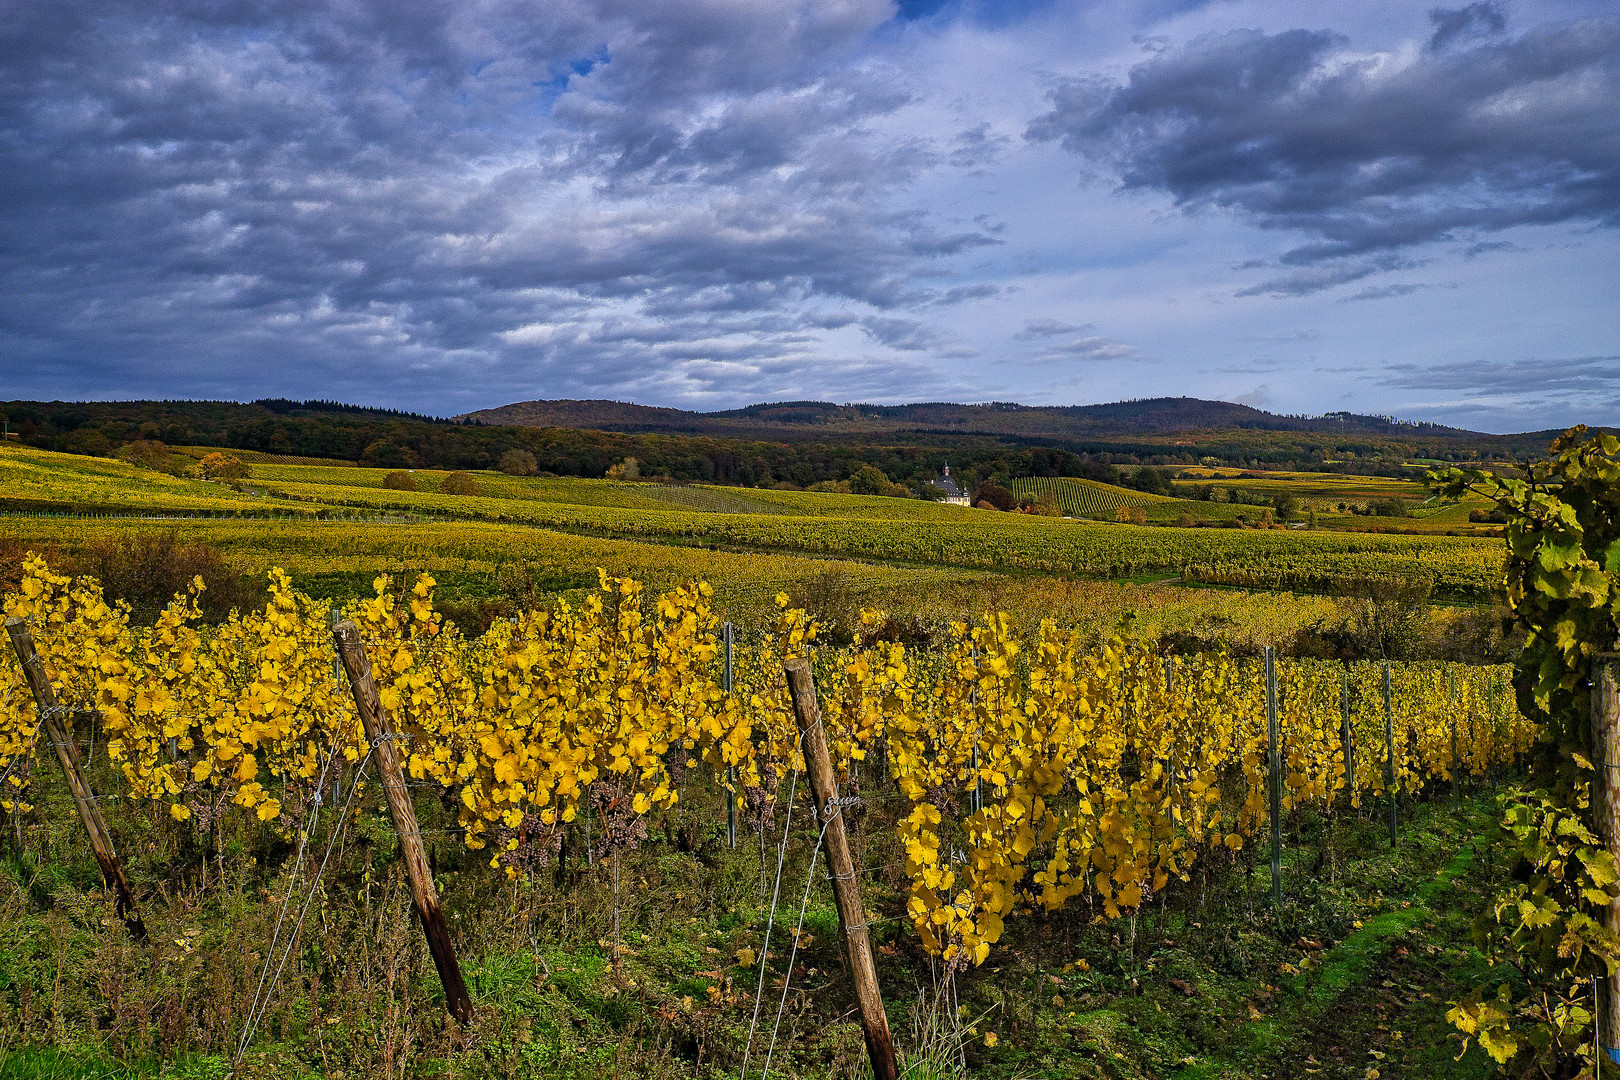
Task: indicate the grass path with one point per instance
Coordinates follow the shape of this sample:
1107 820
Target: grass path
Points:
1373 1005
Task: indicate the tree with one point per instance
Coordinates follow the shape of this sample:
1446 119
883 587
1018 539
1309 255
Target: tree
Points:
388 454
87 441
628 469
1045 505
519 463
1154 481
399 480
1387 508
147 453
996 497
459 483
869 480
221 467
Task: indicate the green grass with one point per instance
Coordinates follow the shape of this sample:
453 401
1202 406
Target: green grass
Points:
1361 958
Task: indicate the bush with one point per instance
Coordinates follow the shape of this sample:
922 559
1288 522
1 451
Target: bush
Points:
218 466
628 469
997 497
519 463
399 480
1286 505
147 569
147 453
1130 515
458 483
1045 505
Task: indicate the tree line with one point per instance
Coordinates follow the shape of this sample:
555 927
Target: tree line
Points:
391 439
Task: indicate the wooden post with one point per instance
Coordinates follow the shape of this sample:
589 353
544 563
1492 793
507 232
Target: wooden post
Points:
67 752
1274 764
1389 752
346 636
846 889
1606 812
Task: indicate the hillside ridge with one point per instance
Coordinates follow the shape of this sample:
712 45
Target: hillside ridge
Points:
786 419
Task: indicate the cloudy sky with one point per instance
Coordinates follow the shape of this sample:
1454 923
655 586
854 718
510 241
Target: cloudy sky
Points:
1378 206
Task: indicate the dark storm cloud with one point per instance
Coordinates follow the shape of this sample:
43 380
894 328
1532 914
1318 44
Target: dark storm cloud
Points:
1475 20
1365 155
466 200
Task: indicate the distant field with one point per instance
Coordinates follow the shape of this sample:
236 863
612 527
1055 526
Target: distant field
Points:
898 533
364 486
1083 498
43 481
1331 496
475 560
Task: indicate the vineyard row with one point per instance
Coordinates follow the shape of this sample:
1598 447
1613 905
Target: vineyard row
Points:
1028 770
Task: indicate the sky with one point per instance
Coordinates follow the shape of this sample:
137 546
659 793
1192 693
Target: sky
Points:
1384 207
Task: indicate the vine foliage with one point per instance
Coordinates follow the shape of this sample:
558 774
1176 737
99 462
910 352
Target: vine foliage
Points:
1546 925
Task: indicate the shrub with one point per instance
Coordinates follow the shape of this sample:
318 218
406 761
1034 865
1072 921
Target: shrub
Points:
458 483
399 480
147 569
147 453
1045 505
519 463
1131 515
219 466
998 497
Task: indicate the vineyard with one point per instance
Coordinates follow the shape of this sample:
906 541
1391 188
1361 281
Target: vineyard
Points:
1026 776
1082 498
887 532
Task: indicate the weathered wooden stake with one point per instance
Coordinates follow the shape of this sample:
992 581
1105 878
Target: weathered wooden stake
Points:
346 636
1606 811
67 752
846 889
1274 765
1389 751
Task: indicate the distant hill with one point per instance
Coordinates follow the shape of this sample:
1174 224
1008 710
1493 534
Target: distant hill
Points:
815 420
798 443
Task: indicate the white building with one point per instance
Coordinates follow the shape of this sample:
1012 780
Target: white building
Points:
953 494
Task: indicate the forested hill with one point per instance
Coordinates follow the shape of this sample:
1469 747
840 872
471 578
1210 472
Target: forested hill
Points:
798 420
796 442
